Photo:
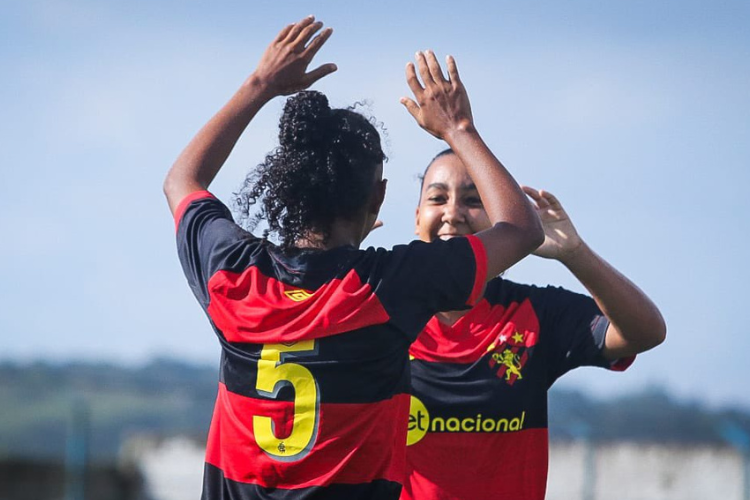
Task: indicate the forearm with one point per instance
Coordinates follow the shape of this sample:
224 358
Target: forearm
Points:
517 228
636 324
204 156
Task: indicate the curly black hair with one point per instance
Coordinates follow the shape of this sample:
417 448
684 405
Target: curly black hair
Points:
322 169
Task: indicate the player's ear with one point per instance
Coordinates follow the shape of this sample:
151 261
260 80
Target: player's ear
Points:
378 196
416 221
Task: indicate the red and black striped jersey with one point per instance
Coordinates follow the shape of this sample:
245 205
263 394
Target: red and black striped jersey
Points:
314 381
478 418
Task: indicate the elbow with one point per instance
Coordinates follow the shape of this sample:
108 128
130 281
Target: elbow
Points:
660 332
168 186
657 335
535 236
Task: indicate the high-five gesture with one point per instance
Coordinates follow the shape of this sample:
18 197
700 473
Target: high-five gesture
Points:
442 105
283 67
442 108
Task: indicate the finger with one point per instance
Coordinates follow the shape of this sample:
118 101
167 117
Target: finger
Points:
305 35
318 73
549 197
317 43
413 81
535 195
434 66
531 192
283 33
297 28
411 106
424 71
452 70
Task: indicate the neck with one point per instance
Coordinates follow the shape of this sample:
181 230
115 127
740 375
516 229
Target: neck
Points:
450 317
343 233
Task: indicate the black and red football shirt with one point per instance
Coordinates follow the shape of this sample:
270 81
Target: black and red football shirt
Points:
478 419
314 386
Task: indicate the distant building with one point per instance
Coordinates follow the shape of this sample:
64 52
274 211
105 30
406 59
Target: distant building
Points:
172 469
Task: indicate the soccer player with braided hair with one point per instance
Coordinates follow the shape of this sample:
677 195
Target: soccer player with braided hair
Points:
313 394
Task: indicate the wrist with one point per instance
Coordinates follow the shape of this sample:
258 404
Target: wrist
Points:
259 88
577 256
461 131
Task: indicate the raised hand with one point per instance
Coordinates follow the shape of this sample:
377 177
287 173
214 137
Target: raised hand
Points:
442 105
561 239
282 69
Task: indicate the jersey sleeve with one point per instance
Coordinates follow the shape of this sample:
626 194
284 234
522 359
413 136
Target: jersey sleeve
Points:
574 329
207 236
421 279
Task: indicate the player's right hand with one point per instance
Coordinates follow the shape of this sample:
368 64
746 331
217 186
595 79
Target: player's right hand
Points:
282 69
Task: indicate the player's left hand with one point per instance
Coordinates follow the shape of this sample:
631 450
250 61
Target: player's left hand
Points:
560 236
441 106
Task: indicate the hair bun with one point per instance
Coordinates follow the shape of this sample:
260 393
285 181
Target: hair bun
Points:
304 121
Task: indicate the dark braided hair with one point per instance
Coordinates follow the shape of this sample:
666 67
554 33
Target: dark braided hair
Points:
323 169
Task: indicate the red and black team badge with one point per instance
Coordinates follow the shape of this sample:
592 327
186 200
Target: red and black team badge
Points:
510 351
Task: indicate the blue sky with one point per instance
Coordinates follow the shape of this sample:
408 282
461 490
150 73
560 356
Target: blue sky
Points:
635 113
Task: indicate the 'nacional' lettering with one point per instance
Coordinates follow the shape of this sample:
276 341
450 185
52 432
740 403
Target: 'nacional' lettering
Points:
420 423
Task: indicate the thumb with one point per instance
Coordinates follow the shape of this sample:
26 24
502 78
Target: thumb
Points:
319 72
411 107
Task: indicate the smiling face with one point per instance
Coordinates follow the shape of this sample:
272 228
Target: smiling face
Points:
450 204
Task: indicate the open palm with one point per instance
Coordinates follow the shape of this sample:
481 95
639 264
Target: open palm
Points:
560 236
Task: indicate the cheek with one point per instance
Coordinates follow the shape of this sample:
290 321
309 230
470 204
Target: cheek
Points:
479 220
428 220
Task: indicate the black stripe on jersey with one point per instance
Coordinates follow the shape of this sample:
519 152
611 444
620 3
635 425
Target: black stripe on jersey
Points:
464 390
369 371
571 326
217 487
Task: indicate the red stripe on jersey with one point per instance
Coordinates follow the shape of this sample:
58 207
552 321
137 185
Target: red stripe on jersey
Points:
622 364
480 280
187 200
477 465
483 328
355 444
251 307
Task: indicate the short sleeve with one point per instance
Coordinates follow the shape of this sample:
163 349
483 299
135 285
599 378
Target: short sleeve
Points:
574 329
421 279
207 237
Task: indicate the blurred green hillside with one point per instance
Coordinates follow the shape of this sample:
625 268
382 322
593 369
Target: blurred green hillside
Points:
163 397
168 397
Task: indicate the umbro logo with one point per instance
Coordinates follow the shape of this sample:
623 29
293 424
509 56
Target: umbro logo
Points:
298 295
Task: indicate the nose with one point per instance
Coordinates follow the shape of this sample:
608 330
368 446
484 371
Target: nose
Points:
453 213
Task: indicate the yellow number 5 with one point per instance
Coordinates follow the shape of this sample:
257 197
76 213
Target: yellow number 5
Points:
273 374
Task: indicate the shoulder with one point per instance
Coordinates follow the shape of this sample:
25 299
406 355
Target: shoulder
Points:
503 290
500 290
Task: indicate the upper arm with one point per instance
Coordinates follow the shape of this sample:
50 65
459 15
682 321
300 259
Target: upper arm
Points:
177 187
207 239
506 245
616 347
421 279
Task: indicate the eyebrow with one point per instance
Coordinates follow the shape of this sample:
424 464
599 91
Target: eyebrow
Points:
439 185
